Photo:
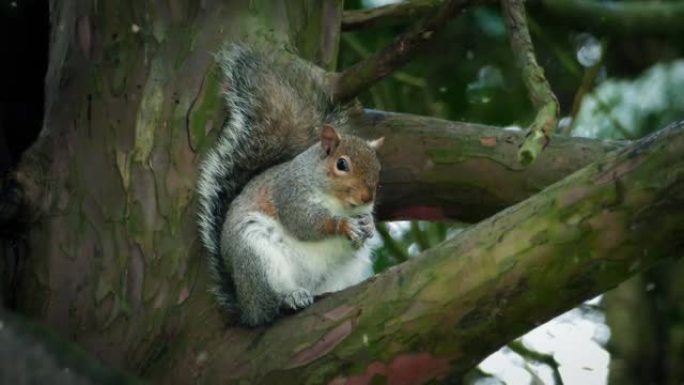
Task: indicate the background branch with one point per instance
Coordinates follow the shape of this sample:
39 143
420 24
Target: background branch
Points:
538 88
392 14
618 18
362 75
587 85
518 347
609 18
398 251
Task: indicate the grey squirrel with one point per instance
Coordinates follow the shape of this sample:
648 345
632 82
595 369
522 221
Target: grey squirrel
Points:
286 193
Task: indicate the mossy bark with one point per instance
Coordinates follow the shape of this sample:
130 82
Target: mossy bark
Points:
436 169
133 100
441 313
115 263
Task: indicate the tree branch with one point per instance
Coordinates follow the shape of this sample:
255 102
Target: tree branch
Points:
616 18
387 15
398 251
437 169
538 88
529 354
443 312
453 170
362 75
609 18
587 85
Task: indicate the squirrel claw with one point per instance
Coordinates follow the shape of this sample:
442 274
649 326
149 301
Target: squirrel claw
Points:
361 228
298 299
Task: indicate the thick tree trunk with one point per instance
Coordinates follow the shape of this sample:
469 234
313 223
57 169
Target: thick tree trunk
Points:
133 101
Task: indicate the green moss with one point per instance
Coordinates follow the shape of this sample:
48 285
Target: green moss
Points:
446 155
506 266
135 224
159 30
174 218
539 238
204 110
121 56
172 250
446 346
306 39
148 118
468 151
103 289
258 26
184 38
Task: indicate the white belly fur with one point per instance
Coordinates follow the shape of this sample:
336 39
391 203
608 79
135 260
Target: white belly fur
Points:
321 266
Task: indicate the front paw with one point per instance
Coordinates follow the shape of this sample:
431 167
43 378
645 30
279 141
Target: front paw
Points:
360 228
298 299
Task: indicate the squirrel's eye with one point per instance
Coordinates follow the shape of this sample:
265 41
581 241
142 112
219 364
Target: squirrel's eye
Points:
342 165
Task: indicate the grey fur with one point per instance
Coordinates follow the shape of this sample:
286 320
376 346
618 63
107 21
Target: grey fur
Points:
251 240
276 104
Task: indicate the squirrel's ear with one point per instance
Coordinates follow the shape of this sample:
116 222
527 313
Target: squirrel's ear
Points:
377 143
330 139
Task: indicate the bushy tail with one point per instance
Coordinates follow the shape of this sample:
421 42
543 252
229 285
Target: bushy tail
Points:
276 103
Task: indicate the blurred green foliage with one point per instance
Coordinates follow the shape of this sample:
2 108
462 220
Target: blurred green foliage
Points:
629 109
469 74
404 239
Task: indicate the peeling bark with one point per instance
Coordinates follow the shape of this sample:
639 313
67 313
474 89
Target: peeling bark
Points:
437 169
133 100
433 169
115 264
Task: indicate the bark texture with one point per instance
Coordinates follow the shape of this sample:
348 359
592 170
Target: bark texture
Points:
441 313
437 169
115 264
133 100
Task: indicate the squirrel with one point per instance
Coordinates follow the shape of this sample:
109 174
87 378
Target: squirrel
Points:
286 193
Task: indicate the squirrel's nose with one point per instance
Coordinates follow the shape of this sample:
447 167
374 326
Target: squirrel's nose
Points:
366 196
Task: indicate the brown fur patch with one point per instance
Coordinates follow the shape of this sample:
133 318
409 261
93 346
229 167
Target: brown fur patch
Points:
264 203
344 227
334 226
330 226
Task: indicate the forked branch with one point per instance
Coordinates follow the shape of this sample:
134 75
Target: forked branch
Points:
403 12
538 87
365 73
